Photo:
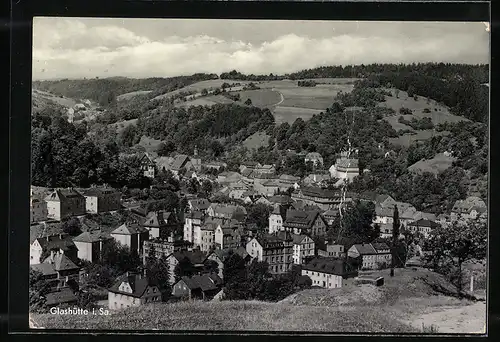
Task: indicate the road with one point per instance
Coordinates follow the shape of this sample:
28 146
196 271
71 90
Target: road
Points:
281 95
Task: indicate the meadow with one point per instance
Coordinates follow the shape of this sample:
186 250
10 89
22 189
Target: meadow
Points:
128 96
290 114
438 164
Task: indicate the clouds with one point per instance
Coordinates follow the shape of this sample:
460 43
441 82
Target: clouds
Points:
76 48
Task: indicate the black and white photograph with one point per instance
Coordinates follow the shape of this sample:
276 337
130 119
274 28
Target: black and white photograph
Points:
237 176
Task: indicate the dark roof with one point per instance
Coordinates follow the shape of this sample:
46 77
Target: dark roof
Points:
298 238
92 236
45 268
424 223
195 257
62 263
300 219
129 229
138 283
200 203
65 295
319 192
365 249
44 230
281 199
196 215
205 282
100 192
63 242
329 266
159 219
179 161
62 194
380 246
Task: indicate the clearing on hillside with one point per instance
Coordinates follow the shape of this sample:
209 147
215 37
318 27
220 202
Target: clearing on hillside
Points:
408 139
290 114
60 100
128 96
256 140
261 98
205 101
149 144
438 164
199 86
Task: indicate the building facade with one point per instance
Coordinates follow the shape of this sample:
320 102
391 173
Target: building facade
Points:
63 203
276 250
101 200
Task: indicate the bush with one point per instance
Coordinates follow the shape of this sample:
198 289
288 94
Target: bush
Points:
427 110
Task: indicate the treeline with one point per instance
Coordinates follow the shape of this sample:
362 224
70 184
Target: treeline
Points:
307 83
417 124
95 89
236 75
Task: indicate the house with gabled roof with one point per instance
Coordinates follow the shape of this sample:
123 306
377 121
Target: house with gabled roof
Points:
220 255
62 203
203 287
288 181
303 248
56 243
195 257
305 222
131 235
227 211
160 224
165 247
90 244
267 188
277 218
329 273
228 235
102 199
470 208
59 270
198 204
148 166
133 289
423 227
371 256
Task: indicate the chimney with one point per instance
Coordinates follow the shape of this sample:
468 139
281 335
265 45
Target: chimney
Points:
144 272
47 237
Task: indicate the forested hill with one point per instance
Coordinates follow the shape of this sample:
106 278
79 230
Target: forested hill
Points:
102 89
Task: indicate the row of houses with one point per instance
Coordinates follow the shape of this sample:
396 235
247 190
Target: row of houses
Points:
63 203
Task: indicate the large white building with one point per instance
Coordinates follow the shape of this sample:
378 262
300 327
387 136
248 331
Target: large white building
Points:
328 273
345 168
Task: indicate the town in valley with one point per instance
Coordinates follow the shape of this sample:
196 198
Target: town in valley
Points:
361 186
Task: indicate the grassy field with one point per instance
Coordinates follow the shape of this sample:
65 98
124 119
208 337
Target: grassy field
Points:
199 86
438 164
63 101
128 96
256 140
392 308
149 144
290 114
261 98
205 101
408 139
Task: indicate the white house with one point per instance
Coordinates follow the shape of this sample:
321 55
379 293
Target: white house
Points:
303 247
328 273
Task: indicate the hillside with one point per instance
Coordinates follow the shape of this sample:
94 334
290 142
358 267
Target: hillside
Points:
390 308
438 164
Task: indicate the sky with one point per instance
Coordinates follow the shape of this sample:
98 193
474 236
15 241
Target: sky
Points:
108 47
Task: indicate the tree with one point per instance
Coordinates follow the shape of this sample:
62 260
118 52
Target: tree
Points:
217 148
193 185
395 236
450 247
165 148
248 102
235 277
72 226
183 269
38 289
204 92
357 222
158 270
259 214
258 277
206 187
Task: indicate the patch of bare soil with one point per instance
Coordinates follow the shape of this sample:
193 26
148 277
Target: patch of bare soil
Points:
469 319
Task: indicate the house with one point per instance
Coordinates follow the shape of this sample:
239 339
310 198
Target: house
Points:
267 188
371 256
328 273
164 247
195 258
330 216
316 179
315 158
215 166
287 181
131 235
423 227
101 200
333 251
276 218
263 200
470 208
265 169
148 166
133 289
236 190
249 165
59 270
90 244
58 243
228 177
226 211
63 296
384 214
62 203
191 221
275 249
181 161
160 224
323 198
204 287
38 208
220 255
227 235
198 204
305 222
303 248
345 167
280 199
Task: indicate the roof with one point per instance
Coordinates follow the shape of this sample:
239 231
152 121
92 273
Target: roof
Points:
271 182
331 213
274 240
158 218
62 194
100 192
281 199
347 163
228 210
205 282
179 161
65 295
196 215
319 192
63 242
380 246
250 164
424 223
381 198
298 238
44 268
329 265
300 218
129 229
195 256
289 178
44 229
92 236
313 155
138 283
62 263
365 248
199 203
163 162
224 253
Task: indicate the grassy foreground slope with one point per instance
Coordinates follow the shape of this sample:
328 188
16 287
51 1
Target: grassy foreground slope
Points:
390 309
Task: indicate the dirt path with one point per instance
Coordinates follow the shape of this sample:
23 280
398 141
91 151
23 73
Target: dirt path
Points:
282 97
470 319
